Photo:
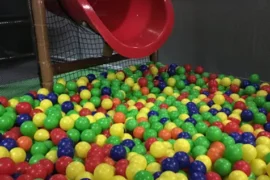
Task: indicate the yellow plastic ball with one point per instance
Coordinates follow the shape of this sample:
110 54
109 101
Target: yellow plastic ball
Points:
74 169
238 175
181 176
89 106
268 169
263 177
161 98
262 150
206 161
149 105
262 93
63 98
118 177
183 117
247 128
84 79
153 167
104 172
74 117
77 107
185 101
196 100
168 91
45 104
99 115
151 95
172 108
84 175
52 155
176 95
249 152
219 99
130 155
107 104
204 108
66 123
132 68
258 167
126 136
157 149
171 82
181 145
141 114
154 70
235 97
195 136
101 140
111 76
85 94
81 82
129 81
41 135
225 81
43 91
168 175
61 81
217 107
38 119
169 126
120 75
222 116
236 81
4 152
136 87
131 170
170 153
82 148
17 155
263 140
116 130
13 102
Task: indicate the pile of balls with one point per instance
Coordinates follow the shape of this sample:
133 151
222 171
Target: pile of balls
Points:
145 122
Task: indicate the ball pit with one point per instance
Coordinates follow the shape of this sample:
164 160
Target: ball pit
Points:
145 122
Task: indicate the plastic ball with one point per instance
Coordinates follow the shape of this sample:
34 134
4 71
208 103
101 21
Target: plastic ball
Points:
143 175
157 149
4 152
7 166
249 152
170 164
222 167
82 148
118 152
104 171
237 175
258 167
242 166
74 169
182 145
17 155
183 159
41 135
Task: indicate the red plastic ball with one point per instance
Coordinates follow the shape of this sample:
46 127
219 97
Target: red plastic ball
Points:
163 106
242 166
212 83
213 176
156 82
85 112
219 125
23 108
143 82
33 93
151 100
76 98
264 133
268 117
48 165
162 69
35 111
11 134
213 76
105 97
199 70
213 89
146 72
96 151
206 80
7 166
231 127
192 79
62 163
107 149
22 167
58 177
149 142
239 105
57 134
89 86
37 171
120 167
4 101
92 163
266 88
106 132
5 177
257 126
187 67
139 105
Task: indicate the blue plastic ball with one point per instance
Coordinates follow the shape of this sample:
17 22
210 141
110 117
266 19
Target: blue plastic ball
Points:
118 152
52 97
206 93
183 159
66 151
159 78
128 143
226 111
22 118
106 91
248 135
8 143
186 82
28 156
104 74
161 85
41 97
247 115
267 98
266 126
184 135
237 137
245 83
91 77
263 110
197 176
163 120
94 112
170 164
197 166
191 120
257 86
143 68
65 142
210 103
213 111
152 113
228 92
157 174
67 106
82 88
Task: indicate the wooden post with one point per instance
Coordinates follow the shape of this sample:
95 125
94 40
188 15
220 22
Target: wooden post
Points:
154 57
107 50
42 42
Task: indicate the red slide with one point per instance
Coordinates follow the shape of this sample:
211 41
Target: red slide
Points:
133 28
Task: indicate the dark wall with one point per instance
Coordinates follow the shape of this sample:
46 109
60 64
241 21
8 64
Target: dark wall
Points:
229 36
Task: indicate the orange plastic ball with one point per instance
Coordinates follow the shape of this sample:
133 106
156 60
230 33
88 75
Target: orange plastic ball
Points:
214 154
109 161
24 142
142 119
145 90
138 132
219 146
119 117
116 101
164 134
175 131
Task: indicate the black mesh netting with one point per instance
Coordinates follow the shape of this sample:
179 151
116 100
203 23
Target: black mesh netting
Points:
68 41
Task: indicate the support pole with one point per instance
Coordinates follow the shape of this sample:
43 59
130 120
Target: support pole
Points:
42 42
